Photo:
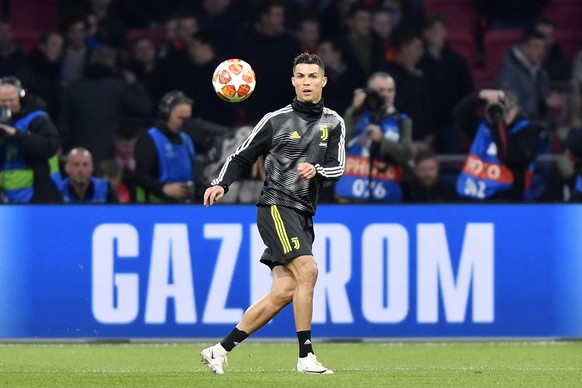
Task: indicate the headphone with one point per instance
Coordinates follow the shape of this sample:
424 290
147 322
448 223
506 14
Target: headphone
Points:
168 102
11 80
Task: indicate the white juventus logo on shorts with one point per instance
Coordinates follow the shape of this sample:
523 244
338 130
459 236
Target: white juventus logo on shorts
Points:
295 241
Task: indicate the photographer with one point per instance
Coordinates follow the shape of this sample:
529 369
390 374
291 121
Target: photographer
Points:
29 168
500 161
378 143
574 144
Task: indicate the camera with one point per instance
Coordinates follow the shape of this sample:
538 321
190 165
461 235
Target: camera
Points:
495 112
5 114
374 103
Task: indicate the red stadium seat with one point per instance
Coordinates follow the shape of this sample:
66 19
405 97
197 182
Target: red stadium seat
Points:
567 14
497 43
36 14
463 42
460 14
570 41
157 35
27 38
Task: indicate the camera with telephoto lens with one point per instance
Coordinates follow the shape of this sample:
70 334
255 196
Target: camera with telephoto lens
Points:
5 114
374 103
495 112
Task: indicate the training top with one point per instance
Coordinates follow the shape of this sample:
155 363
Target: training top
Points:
300 132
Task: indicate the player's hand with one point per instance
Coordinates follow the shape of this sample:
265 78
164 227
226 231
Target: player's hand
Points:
176 190
213 194
306 171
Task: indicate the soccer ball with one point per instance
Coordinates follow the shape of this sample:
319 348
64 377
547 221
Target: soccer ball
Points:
234 80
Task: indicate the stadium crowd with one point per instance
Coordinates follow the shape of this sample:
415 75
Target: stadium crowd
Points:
417 86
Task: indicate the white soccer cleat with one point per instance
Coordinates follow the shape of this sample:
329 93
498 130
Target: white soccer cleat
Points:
215 358
310 365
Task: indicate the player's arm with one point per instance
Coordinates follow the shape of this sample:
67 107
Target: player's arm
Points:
256 144
335 158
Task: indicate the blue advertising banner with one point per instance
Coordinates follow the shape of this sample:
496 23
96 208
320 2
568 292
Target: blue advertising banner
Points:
394 271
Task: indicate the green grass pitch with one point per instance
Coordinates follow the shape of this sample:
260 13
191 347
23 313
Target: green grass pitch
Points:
267 364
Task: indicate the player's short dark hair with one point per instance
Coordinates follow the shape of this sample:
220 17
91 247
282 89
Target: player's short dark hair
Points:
308 59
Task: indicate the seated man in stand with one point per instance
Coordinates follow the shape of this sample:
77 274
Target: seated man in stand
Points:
81 186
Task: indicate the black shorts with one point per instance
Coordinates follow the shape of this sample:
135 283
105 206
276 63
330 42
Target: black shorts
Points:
286 232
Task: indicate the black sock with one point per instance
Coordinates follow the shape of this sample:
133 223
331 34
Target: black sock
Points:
305 347
235 337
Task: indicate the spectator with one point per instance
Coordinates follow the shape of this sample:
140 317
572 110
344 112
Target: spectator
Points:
426 185
214 15
308 34
267 46
105 20
378 144
12 61
449 80
45 62
556 62
186 26
522 72
29 141
575 97
139 14
500 162
170 27
143 62
405 14
413 95
334 18
164 176
95 104
112 172
78 48
342 77
81 186
382 30
124 153
360 39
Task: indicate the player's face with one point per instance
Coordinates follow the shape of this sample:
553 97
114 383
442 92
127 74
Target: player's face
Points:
308 80
180 113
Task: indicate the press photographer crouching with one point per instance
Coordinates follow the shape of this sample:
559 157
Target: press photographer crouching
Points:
378 144
29 141
499 165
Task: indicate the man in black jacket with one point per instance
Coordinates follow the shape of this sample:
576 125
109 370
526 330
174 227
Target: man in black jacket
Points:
29 168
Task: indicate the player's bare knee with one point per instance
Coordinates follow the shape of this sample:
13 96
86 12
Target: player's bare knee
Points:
308 274
282 296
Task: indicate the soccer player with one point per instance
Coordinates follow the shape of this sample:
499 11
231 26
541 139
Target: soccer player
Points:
303 144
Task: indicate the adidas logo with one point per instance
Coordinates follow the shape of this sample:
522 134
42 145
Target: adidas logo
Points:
295 135
308 342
